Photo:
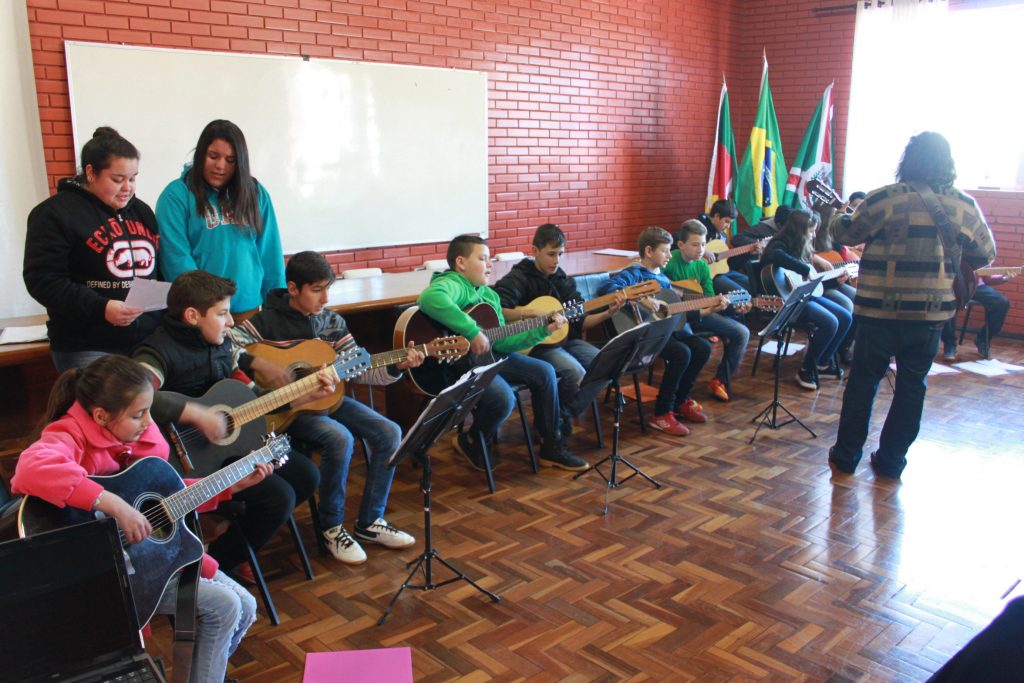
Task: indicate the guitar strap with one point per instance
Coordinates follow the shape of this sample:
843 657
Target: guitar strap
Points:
947 234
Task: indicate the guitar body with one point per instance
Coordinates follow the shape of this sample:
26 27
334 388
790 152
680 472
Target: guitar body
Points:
545 305
303 359
720 266
783 281
433 376
154 561
207 457
632 314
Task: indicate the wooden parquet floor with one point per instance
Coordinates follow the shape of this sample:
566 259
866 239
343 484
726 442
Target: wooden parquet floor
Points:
750 563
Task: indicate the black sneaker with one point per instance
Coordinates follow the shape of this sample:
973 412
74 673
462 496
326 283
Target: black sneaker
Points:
469 450
832 370
564 459
807 378
983 349
949 352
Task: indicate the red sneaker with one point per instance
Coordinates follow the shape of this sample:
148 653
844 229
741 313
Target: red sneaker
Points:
243 573
718 390
689 410
669 424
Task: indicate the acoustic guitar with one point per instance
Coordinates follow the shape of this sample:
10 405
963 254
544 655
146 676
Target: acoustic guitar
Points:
242 410
784 281
306 357
630 316
545 305
723 252
432 377
153 488
1009 271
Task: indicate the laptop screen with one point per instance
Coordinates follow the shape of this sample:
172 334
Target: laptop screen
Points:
65 606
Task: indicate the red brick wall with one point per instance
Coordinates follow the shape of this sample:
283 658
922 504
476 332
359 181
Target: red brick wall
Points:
1004 212
601 112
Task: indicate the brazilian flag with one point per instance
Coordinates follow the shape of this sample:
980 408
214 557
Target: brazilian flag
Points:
763 173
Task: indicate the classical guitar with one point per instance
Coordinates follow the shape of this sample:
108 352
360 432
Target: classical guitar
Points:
432 377
153 488
198 457
306 357
723 252
784 281
548 304
631 316
1009 271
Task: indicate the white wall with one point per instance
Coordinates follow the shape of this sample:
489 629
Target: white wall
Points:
22 171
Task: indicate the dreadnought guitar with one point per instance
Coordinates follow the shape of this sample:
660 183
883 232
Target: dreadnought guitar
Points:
306 357
153 488
198 457
549 304
629 317
432 377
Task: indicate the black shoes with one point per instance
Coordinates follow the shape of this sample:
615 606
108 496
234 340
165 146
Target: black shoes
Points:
880 470
983 349
831 370
472 452
807 378
563 458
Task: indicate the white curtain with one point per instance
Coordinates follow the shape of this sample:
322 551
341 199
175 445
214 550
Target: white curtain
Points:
919 66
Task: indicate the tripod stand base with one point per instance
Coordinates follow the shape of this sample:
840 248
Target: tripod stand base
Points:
426 559
769 417
611 481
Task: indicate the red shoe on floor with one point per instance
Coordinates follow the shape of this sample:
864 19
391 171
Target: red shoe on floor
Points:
689 410
718 390
243 573
669 424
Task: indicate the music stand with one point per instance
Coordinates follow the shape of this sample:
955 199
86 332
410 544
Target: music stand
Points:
636 347
443 412
780 328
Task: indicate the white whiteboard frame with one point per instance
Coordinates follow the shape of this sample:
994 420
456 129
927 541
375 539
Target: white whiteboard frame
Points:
354 154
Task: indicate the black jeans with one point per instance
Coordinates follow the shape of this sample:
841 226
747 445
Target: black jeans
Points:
995 654
996 307
913 346
267 506
684 356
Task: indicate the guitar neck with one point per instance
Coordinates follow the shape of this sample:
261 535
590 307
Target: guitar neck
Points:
511 329
736 251
692 305
1012 271
186 500
831 274
395 356
249 411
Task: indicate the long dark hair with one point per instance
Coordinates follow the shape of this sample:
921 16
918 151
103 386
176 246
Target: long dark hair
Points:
239 197
109 382
796 233
927 158
105 145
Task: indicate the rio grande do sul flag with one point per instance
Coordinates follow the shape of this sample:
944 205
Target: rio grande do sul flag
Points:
723 155
762 175
814 160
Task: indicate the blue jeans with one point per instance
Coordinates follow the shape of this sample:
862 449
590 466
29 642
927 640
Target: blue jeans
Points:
224 612
832 321
334 437
571 361
730 282
497 401
73 360
734 335
996 307
914 346
684 356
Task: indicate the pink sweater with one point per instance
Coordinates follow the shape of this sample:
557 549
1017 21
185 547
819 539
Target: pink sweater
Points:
56 468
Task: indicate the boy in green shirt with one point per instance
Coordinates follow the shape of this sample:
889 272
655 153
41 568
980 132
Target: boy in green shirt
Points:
444 299
687 263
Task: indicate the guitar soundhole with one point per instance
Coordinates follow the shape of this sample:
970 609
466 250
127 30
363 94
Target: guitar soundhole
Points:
163 529
300 370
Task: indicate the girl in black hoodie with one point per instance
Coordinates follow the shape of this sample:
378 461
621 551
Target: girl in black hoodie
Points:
84 247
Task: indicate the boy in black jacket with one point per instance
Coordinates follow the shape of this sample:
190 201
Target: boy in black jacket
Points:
299 313
542 276
188 354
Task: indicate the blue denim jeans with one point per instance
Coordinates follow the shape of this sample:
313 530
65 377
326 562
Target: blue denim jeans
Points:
833 323
498 400
684 355
734 334
996 307
913 346
334 437
224 612
73 360
571 361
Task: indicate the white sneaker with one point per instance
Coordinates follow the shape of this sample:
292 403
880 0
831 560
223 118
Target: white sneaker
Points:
386 535
344 547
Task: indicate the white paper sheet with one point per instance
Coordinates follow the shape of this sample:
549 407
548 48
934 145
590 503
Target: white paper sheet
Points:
149 295
616 252
983 367
771 348
23 335
935 369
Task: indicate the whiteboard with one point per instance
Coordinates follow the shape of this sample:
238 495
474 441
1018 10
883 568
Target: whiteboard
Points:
353 154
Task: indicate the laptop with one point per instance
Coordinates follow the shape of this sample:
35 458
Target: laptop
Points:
66 610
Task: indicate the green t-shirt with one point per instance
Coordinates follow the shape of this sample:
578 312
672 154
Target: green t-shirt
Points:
678 269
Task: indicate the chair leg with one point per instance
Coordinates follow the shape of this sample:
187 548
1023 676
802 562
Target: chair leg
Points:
487 461
963 328
257 575
526 433
757 358
318 529
597 425
300 548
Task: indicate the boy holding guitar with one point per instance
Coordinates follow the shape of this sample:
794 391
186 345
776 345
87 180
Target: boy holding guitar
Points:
684 354
189 354
542 276
299 313
99 424
465 285
687 264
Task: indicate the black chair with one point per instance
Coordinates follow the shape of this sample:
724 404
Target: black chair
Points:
983 330
754 267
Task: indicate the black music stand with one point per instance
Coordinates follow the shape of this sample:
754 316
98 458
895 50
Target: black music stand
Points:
444 411
633 349
780 328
